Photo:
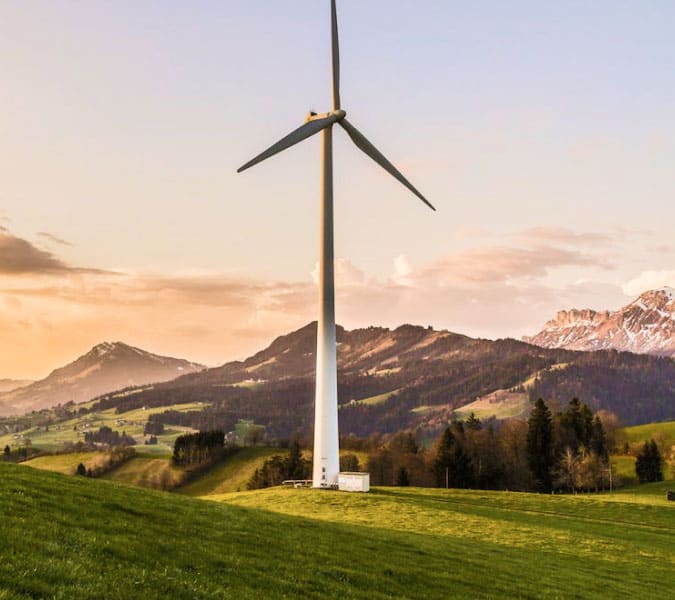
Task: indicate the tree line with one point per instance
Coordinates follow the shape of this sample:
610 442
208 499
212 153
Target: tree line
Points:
563 451
106 435
203 447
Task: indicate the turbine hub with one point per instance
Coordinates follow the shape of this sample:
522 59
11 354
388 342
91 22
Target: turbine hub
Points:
338 115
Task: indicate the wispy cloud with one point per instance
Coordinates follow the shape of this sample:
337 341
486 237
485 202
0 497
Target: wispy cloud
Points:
50 237
649 280
497 264
486 290
20 257
563 236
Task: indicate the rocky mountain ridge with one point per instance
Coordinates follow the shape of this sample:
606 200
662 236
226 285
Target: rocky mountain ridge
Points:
645 326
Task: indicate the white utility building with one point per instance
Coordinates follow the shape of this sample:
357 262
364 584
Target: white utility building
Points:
354 482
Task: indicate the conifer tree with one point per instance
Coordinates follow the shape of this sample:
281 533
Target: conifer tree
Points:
402 479
649 463
540 445
598 441
441 464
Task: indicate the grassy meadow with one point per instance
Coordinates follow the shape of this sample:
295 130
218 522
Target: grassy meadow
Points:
72 430
663 433
62 463
72 537
231 475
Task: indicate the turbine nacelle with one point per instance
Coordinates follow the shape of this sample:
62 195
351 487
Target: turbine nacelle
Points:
337 115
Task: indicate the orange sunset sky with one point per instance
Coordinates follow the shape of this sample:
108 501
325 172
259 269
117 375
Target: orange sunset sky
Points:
545 137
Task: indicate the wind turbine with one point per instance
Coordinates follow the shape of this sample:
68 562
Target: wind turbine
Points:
326 443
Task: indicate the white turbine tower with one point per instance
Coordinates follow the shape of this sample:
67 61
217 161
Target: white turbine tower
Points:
326 445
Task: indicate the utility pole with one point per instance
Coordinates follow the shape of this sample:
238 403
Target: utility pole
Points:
610 477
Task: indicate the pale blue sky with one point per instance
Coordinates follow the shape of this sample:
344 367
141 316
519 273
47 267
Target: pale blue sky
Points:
122 125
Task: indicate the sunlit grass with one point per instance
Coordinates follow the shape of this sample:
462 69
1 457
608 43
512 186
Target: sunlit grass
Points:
72 430
373 400
146 472
664 432
70 537
62 463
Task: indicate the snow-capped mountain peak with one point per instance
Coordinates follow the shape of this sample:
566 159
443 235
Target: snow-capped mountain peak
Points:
646 325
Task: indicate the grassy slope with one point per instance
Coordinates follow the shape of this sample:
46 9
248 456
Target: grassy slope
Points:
144 472
232 475
374 400
79 538
515 405
134 423
663 431
61 463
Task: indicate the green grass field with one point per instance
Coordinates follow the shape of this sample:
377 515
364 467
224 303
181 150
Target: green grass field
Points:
234 473
663 432
231 475
71 537
624 468
145 472
62 463
509 406
373 400
132 422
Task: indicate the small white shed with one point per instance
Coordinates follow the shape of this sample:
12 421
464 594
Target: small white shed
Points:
354 482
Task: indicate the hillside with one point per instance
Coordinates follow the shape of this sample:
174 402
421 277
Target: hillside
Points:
94 539
663 433
645 326
105 368
409 377
7 385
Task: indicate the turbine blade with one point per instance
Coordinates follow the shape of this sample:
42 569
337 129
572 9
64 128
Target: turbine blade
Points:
336 56
363 144
300 134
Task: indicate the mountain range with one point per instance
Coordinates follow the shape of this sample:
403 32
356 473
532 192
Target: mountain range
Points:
389 379
106 367
645 326
408 377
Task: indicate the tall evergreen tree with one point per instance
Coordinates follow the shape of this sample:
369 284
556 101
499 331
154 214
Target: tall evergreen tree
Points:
540 445
649 463
295 464
461 470
402 479
452 465
441 464
473 423
598 441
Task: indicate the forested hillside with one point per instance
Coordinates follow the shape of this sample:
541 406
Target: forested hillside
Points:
405 378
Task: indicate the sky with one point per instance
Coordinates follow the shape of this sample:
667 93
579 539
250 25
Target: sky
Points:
544 133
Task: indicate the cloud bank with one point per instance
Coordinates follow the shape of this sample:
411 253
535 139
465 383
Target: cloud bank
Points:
53 311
